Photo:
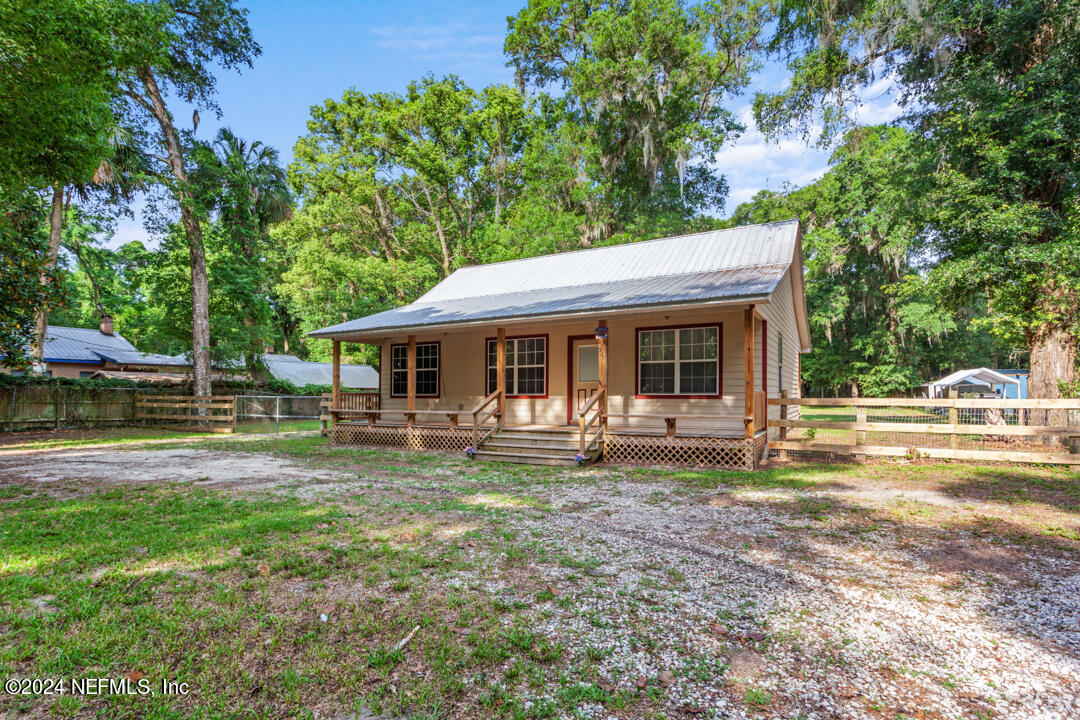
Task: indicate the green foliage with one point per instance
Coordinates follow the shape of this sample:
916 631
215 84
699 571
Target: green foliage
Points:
26 281
991 90
643 85
876 325
55 60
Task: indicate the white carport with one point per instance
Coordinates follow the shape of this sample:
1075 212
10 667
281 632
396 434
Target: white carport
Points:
977 376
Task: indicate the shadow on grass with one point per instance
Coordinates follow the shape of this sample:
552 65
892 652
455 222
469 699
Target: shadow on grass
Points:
45 538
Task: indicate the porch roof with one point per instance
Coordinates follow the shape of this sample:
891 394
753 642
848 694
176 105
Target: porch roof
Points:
749 284
742 264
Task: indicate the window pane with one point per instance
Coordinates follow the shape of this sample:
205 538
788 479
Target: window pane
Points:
588 363
657 378
697 344
697 378
530 381
427 382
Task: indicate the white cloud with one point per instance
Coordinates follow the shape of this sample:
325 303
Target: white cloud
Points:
753 163
455 46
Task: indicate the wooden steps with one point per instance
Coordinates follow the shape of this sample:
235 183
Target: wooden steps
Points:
534 447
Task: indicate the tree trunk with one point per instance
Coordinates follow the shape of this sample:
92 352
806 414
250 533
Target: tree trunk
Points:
200 289
1053 361
56 228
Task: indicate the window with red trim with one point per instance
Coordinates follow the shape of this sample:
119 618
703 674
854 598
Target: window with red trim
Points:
679 361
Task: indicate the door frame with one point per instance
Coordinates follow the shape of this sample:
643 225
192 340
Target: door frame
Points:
570 340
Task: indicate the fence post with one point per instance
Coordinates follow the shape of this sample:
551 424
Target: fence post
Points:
234 413
860 435
783 428
277 415
56 406
954 420
11 417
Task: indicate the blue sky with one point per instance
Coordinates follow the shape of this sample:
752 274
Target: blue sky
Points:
315 50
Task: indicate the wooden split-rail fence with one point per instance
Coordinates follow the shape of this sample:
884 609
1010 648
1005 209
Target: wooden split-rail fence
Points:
207 413
989 429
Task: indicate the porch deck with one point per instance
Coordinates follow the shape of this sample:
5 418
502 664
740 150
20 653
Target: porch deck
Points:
620 443
617 428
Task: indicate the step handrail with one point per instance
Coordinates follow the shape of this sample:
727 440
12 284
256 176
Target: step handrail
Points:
478 421
585 443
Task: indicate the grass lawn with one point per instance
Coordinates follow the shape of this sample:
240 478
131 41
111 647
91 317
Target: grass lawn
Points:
280 577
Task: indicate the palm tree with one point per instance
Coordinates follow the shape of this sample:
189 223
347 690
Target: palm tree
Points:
255 171
244 183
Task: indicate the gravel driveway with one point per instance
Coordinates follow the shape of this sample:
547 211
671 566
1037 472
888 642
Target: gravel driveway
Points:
830 601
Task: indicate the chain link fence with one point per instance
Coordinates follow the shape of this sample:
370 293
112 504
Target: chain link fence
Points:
277 413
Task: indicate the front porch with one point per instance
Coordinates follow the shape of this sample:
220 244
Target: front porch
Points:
611 414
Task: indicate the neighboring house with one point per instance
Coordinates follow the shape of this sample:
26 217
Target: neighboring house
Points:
977 381
675 342
301 372
86 352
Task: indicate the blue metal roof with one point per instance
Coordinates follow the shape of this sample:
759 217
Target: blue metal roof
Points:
65 344
134 357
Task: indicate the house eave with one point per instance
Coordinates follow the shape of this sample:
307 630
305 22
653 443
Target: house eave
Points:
376 334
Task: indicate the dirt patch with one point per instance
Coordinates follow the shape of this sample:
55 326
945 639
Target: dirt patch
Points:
99 468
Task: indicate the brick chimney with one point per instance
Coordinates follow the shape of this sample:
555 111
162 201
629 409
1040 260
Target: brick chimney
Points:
106 324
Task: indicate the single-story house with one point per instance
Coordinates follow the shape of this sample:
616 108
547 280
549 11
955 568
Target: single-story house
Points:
88 352
974 381
303 372
655 351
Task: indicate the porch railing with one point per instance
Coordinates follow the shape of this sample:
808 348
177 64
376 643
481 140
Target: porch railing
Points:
478 421
760 410
347 401
586 422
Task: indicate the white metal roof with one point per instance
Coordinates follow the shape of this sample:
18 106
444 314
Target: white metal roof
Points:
981 375
740 247
745 262
300 372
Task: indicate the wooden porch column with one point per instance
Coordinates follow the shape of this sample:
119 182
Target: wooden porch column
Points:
335 386
410 418
500 371
602 368
748 368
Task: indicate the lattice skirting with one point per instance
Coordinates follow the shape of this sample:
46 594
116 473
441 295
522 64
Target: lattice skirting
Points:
722 453
431 439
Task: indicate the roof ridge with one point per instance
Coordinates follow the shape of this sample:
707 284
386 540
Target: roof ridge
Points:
626 244
604 282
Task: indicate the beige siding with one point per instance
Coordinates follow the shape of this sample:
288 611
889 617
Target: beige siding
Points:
71 370
462 371
779 313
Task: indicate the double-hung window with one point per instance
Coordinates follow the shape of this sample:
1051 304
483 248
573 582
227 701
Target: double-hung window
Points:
526 366
427 370
679 361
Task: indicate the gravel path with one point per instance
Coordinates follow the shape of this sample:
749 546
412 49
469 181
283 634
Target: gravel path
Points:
754 614
738 603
